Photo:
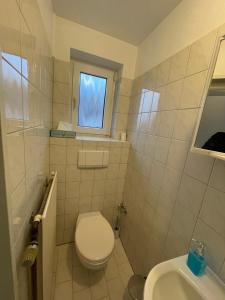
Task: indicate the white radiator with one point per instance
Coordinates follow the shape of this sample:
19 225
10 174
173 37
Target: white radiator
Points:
47 244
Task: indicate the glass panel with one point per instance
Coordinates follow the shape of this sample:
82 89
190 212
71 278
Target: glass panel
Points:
92 101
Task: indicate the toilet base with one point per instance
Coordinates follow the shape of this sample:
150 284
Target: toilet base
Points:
92 266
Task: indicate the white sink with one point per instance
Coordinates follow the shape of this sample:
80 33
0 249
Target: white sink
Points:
172 280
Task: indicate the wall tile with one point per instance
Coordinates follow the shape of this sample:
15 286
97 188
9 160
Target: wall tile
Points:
192 92
215 251
190 194
217 176
179 64
213 210
199 166
201 53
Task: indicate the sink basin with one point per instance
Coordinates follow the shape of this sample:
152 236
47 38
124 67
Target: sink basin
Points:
172 280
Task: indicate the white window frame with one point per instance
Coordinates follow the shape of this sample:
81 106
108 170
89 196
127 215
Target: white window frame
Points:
81 67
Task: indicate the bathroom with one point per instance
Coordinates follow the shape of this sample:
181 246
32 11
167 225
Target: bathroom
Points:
139 187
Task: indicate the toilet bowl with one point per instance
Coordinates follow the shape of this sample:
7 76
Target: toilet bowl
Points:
94 240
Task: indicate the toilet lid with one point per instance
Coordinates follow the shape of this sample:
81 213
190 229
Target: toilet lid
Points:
94 237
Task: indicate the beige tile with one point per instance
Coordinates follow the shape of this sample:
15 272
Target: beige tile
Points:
62 71
172 95
199 166
64 271
87 174
215 251
119 253
71 155
57 154
98 285
61 93
64 253
61 112
123 104
167 121
61 171
71 206
19 208
177 154
80 279
86 188
116 289
112 270
72 189
217 176
162 149
200 53
213 210
193 90
98 189
179 65
125 87
97 203
85 204
82 295
185 124
125 272
15 158
72 173
163 72
191 193
64 291
58 141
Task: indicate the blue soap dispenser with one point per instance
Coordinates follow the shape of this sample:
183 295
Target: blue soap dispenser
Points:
196 258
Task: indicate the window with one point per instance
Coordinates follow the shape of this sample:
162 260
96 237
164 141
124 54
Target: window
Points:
93 90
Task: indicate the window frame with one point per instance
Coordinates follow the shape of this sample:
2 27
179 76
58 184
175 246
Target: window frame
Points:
82 67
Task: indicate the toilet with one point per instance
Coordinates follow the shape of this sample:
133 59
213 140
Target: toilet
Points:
94 240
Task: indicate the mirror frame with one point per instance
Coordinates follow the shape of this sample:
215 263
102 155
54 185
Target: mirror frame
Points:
215 154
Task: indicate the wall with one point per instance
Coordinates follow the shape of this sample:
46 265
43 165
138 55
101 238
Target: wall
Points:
84 190
172 194
189 21
72 35
26 71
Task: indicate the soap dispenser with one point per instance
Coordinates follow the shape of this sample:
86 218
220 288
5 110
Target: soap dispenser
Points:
196 258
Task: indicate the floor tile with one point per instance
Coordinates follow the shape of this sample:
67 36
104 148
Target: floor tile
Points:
63 291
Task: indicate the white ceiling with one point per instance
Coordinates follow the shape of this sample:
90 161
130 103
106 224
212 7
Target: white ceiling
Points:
128 20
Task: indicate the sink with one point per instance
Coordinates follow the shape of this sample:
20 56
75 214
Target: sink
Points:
172 280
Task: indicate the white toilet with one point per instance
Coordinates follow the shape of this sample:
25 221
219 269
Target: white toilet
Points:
94 240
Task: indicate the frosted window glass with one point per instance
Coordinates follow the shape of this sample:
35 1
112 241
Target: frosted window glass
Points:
92 101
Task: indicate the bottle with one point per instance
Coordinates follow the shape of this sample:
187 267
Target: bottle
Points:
196 258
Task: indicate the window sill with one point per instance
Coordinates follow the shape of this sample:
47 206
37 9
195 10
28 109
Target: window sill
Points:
96 138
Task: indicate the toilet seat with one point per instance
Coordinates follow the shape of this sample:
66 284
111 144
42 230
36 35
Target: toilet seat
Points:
94 238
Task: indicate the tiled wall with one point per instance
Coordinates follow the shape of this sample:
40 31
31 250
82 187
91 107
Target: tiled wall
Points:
121 107
26 98
84 190
62 92
172 194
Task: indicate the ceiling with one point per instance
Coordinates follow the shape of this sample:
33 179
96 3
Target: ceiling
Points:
127 20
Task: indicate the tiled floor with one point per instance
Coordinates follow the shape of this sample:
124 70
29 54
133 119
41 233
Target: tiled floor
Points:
74 282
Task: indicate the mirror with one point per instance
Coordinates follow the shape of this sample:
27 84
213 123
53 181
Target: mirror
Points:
210 135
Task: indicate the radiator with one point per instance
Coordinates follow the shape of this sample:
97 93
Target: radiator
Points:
48 242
